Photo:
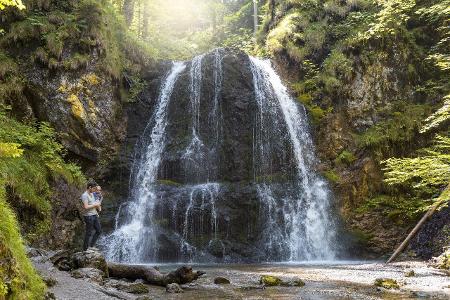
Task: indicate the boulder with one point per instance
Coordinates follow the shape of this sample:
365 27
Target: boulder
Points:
294 282
49 281
61 259
136 287
174 288
90 259
221 280
269 280
133 288
386 283
92 274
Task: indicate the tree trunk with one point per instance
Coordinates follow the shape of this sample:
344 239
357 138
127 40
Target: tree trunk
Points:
145 19
128 11
255 17
272 5
181 276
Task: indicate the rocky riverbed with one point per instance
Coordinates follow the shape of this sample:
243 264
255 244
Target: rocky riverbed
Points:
336 280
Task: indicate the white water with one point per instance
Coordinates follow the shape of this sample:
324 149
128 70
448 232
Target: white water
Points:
298 225
132 240
306 224
196 151
200 160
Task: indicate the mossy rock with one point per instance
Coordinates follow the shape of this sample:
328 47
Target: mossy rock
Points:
49 281
387 283
221 280
410 273
269 280
134 288
295 282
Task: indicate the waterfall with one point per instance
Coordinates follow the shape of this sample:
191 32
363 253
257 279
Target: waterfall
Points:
200 160
301 221
225 160
135 238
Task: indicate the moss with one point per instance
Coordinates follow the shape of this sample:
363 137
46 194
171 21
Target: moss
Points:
168 182
386 283
360 236
25 188
91 79
11 85
332 176
269 280
345 158
399 128
397 208
315 111
76 61
76 107
18 279
283 32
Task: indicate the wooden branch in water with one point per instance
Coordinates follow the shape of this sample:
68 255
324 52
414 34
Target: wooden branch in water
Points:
151 275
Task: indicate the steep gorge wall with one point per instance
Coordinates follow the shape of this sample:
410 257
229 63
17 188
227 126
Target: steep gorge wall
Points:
72 64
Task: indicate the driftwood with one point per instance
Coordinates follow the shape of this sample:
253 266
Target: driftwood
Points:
151 275
416 228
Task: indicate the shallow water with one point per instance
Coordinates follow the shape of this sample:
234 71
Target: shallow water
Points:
336 280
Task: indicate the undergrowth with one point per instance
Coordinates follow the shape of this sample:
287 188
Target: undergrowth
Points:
30 159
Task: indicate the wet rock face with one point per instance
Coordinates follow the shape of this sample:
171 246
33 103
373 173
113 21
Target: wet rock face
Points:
209 198
90 259
433 236
83 106
235 112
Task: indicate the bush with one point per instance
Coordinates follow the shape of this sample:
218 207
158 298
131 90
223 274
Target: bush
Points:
345 158
399 129
30 158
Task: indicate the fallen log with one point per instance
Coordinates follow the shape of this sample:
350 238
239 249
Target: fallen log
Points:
441 199
151 275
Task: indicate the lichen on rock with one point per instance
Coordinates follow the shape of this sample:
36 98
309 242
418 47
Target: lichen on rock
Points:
386 283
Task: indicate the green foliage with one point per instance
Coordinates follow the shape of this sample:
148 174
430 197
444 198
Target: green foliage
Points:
30 158
398 129
12 3
345 158
390 20
10 150
332 176
337 68
11 85
361 237
399 209
440 116
285 31
27 176
431 168
18 279
315 111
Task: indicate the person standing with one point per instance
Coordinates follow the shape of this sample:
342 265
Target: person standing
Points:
90 215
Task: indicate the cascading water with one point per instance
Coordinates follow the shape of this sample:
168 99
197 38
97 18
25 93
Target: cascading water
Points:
229 176
134 240
301 221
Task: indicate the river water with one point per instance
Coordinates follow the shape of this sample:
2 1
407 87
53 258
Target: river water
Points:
343 280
